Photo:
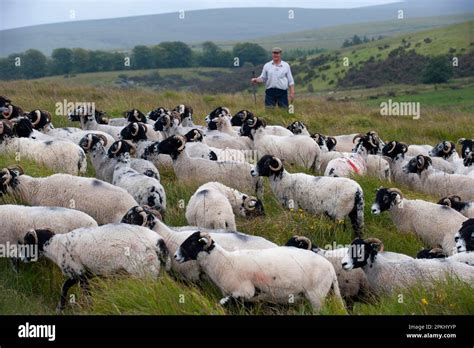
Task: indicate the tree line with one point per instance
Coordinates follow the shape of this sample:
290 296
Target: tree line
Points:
64 61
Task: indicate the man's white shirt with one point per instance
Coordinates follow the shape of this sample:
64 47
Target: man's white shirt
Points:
277 76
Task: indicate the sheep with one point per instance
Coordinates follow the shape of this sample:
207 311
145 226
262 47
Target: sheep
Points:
186 115
106 250
353 285
438 253
157 113
240 117
298 150
434 224
133 115
16 219
89 122
75 115
61 156
174 237
8 110
467 146
275 275
325 143
213 205
465 208
145 150
243 115
210 118
464 238
200 170
387 277
439 183
170 124
446 150
345 143
144 189
333 197
104 202
131 129
355 163
298 128
41 122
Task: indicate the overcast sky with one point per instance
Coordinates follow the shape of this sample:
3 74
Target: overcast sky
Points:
20 13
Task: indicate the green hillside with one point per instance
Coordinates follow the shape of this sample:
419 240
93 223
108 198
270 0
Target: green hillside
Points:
333 37
323 70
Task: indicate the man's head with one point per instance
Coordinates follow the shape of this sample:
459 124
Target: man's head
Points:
276 53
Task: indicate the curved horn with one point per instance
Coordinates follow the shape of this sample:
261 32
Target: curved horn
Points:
422 158
183 141
118 147
89 141
455 198
304 239
17 167
101 136
136 115
280 164
394 143
360 135
447 201
449 147
38 118
394 189
371 139
375 241
333 139
135 129
247 202
208 238
7 175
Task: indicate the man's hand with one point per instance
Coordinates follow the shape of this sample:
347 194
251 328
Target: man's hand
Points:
254 80
291 95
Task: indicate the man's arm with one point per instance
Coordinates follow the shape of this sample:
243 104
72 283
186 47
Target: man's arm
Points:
291 85
262 78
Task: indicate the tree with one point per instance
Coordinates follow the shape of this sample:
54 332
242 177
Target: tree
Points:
178 54
34 64
79 60
210 52
250 52
142 57
62 61
159 57
437 70
356 40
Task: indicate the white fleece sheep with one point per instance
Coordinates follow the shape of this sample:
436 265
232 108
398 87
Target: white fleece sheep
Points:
387 277
455 202
439 183
294 149
144 189
88 122
105 250
200 170
320 195
175 236
215 205
61 156
104 202
281 274
434 224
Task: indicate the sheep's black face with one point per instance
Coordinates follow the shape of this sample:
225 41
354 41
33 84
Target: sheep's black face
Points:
358 254
417 165
252 124
465 237
268 165
384 200
431 254
36 239
134 131
119 148
394 149
469 160
212 156
162 123
467 147
5 131
296 127
444 149
300 243
8 178
172 146
10 112
239 118
151 150
158 112
22 127
252 207
194 135
370 142
185 111
39 119
331 143
211 119
89 142
135 216
135 115
194 245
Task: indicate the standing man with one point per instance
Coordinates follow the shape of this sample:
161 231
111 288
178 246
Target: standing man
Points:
276 75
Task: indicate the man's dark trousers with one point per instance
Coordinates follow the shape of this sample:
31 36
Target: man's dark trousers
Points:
276 96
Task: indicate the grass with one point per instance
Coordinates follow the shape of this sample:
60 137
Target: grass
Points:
35 290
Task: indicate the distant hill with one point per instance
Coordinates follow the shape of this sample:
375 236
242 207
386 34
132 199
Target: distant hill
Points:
215 25
322 71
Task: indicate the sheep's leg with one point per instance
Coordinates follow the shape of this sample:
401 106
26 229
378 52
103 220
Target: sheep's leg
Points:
66 286
314 298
